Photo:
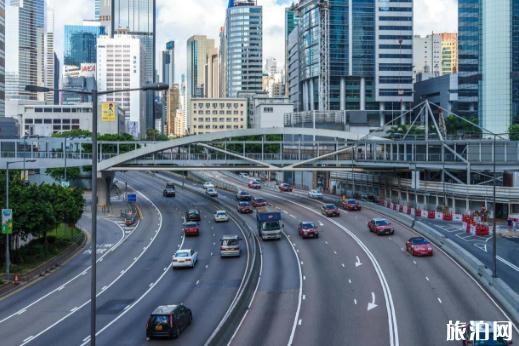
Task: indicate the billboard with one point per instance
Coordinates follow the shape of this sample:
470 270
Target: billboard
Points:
7 221
88 70
108 112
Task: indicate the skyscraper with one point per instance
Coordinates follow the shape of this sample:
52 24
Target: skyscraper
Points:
81 42
97 9
168 64
244 47
138 18
351 58
291 20
120 65
25 23
469 45
50 58
2 58
198 47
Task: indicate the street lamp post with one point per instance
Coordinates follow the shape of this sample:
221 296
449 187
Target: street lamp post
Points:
7 251
94 94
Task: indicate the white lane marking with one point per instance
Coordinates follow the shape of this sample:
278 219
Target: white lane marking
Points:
342 264
292 216
300 295
197 282
129 307
390 307
372 304
349 281
110 284
286 212
21 311
28 339
511 265
335 252
299 322
86 339
355 301
414 262
206 266
321 224
358 263
301 262
84 272
439 300
427 278
304 296
326 242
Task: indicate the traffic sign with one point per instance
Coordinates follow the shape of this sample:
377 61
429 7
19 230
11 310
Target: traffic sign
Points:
132 198
7 221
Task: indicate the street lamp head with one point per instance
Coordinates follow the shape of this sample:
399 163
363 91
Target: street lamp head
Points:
37 89
156 87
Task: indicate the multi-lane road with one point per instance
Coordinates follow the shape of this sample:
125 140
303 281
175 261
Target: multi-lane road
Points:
346 287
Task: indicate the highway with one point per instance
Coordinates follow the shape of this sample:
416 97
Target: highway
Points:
341 280
132 280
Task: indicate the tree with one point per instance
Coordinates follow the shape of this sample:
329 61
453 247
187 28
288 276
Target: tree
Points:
513 132
59 173
77 133
154 135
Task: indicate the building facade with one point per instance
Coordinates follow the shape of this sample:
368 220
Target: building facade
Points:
120 65
442 91
244 47
2 58
212 74
435 55
81 42
218 114
351 55
25 23
198 47
269 112
168 64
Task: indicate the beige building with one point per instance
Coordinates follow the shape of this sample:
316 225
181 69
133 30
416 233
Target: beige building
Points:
212 74
449 49
217 114
172 107
179 124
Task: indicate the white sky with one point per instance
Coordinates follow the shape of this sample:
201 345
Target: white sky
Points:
179 19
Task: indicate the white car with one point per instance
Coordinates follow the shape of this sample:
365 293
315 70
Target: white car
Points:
208 185
184 258
221 216
211 192
315 194
244 175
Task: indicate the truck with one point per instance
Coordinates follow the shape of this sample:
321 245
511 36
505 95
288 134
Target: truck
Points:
269 223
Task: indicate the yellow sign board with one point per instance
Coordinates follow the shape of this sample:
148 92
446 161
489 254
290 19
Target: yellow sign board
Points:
108 112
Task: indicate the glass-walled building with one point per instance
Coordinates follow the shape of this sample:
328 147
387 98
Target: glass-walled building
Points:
81 43
244 45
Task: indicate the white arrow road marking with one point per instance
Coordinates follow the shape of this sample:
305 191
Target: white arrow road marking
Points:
355 301
372 305
358 263
439 300
321 224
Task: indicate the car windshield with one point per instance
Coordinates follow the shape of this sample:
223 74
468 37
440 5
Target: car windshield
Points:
190 224
243 193
329 206
244 204
182 254
381 223
271 226
170 186
229 242
220 213
352 201
158 319
420 241
490 342
193 213
260 200
308 225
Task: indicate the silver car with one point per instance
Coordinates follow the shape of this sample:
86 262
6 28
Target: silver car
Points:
230 246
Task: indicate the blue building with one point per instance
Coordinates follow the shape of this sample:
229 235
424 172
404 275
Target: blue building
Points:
353 55
489 62
81 43
244 47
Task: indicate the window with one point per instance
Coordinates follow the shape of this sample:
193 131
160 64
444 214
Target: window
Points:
268 109
29 121
38 121
47 121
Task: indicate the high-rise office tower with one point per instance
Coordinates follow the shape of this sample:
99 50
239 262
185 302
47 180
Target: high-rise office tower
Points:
105 15
291 19
97 9
212 74
2 58
351 55
469 45
138 18
81 41
50 59
25 23
244 47
120 65
435 55
168 64
198 47
222 63
488 49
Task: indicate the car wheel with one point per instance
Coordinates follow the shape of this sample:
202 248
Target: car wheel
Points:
190 319
317 235
176 333
413 253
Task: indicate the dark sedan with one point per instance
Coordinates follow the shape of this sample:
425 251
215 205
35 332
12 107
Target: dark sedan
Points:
330 210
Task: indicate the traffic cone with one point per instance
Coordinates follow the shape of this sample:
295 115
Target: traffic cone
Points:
16 279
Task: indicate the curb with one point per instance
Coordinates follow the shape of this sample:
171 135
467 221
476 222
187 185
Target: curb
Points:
44 269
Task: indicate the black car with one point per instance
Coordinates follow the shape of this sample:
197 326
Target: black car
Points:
168 321
169 190
193 215
243 196
330 210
